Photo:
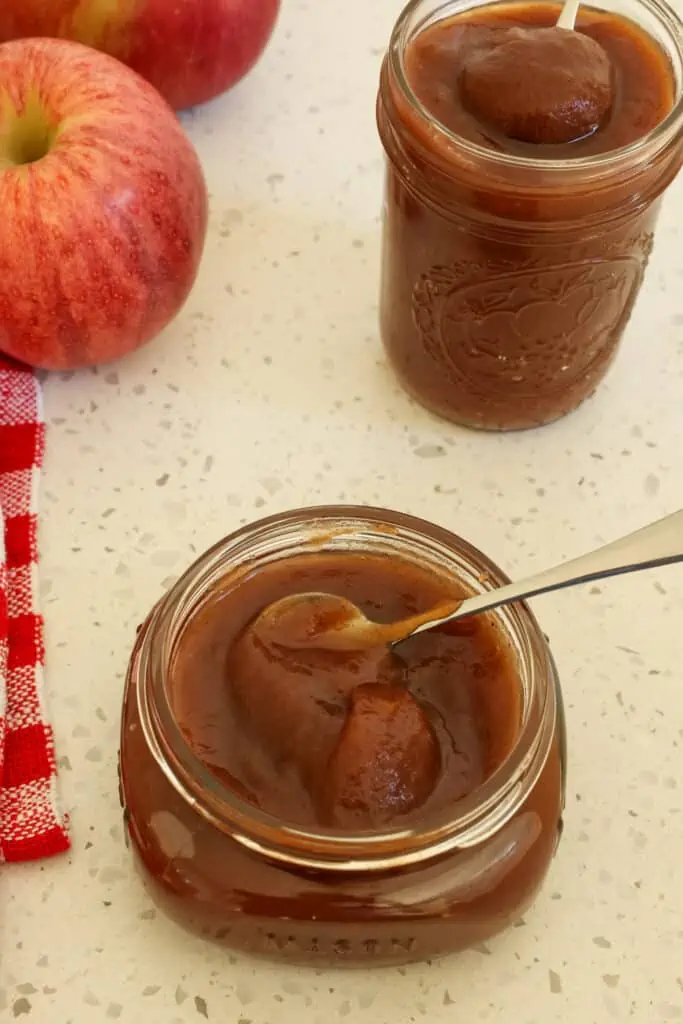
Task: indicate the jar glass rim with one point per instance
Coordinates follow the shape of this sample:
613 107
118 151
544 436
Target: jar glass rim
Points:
644 148
500 794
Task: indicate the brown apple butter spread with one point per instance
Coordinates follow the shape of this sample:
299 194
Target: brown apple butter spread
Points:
506 78
564 92
348 740
517 223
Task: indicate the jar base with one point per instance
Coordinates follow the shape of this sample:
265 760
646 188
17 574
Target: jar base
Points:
519 425
298 944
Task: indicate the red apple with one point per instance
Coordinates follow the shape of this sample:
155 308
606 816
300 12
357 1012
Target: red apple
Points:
103 206
191 50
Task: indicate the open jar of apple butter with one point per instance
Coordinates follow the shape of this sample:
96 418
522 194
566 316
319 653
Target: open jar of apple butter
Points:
327 808
525 167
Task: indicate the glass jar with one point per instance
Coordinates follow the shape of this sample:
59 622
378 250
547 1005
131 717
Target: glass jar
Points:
233 874
507 281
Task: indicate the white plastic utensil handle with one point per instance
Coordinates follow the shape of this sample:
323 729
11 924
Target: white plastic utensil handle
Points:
567 18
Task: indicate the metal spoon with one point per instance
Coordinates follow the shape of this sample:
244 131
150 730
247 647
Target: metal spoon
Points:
567 18
334 623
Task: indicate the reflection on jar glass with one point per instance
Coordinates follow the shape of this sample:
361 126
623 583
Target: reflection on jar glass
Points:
510 269
245 878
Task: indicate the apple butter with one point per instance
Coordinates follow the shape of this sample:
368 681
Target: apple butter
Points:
349 739
525 168
334 806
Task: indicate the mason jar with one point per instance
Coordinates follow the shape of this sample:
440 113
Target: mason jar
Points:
254 883
508 280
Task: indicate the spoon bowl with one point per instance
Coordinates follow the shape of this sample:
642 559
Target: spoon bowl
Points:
332 623
329 622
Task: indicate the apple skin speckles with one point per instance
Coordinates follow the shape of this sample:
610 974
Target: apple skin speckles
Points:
190 50
102 236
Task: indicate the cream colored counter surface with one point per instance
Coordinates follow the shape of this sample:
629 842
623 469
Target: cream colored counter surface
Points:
271 391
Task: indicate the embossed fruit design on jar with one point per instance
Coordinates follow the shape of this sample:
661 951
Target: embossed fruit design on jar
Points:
516 240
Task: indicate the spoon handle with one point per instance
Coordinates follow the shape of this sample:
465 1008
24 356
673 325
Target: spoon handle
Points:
661 543
567 18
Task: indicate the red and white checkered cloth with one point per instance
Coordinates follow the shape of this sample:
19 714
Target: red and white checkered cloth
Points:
31 823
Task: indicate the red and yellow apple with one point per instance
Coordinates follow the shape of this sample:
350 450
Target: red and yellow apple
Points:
190 50
103 207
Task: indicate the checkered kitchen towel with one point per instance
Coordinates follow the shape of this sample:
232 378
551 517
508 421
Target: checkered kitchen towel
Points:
31 824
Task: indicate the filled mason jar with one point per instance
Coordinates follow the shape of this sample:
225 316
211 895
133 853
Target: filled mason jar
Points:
511 260
262 882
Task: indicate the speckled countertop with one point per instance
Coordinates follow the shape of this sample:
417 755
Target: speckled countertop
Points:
271 391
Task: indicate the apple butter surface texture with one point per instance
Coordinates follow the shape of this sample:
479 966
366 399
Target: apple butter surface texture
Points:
540 85
508 79
349 740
